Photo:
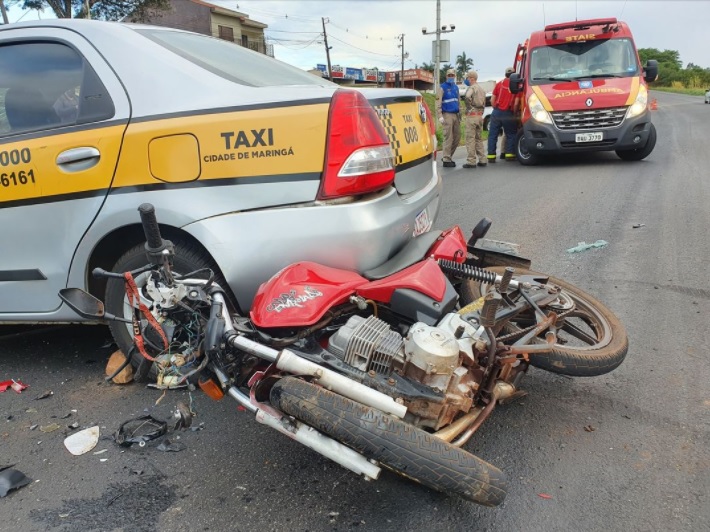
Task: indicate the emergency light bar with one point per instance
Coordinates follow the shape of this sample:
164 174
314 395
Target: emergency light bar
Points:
581 24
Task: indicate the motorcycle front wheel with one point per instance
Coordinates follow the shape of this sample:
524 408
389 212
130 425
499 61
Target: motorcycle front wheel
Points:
591 339
397 445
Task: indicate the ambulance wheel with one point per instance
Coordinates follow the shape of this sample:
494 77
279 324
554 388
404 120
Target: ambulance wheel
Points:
525 157
640 153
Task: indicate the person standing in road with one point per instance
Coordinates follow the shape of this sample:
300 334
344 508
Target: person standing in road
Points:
447 107
503 116
475 100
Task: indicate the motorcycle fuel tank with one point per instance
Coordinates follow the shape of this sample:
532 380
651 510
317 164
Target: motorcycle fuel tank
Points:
300 294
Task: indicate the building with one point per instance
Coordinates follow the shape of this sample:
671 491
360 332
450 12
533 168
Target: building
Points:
414 78
208 19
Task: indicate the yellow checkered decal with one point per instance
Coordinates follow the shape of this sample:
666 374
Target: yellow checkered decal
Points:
391 130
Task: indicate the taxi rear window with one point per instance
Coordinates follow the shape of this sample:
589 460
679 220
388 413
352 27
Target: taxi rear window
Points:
230 60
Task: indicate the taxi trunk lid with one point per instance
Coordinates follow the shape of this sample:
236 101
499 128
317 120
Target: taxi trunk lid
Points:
403 115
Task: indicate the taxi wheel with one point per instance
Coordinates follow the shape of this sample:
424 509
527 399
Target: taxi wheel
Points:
188 258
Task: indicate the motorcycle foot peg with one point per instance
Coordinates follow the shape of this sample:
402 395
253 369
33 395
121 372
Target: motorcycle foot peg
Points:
505 281
490 306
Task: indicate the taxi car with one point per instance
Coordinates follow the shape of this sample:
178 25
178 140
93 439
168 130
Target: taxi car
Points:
251 163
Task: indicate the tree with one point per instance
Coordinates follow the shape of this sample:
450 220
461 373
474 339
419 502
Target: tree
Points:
429 67
100 9
463 65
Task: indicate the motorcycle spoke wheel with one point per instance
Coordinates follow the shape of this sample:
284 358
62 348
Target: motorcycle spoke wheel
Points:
395 444
591 339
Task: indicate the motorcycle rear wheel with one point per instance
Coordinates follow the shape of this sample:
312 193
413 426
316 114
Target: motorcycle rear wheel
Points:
603 336
404 449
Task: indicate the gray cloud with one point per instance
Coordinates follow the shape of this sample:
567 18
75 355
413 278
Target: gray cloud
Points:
362 32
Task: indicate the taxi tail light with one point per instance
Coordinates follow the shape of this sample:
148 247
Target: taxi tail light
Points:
358 155
432 126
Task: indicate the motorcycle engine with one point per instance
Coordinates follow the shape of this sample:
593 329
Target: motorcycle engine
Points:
443 358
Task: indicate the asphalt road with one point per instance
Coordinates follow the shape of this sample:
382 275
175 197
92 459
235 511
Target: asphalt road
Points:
626 451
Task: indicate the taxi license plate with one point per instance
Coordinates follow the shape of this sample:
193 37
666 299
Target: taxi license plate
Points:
421 223
589 137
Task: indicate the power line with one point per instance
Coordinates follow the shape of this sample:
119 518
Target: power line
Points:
361 49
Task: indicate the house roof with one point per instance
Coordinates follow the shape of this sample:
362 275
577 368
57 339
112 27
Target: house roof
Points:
243 17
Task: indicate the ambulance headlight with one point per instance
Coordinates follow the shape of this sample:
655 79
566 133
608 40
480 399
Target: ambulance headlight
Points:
537 111
639 106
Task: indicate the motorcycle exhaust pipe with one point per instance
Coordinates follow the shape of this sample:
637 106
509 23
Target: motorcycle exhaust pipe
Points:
292 363
310 437
330 380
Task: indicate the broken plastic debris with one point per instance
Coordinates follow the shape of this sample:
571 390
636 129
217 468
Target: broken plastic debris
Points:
583 246
168 446
636 226
83 441
74 425
544 496
116 361
17 386
140 430
33 427
183 416
589 428
102 451
50 428
11 479
46 394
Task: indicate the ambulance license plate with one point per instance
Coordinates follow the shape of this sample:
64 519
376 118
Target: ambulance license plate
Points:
589 137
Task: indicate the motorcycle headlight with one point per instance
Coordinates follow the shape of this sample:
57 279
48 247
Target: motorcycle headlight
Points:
537 111
639 106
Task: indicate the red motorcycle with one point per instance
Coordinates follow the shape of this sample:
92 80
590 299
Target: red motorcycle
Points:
396 366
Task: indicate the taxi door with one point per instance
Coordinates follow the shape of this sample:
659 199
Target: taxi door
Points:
62 117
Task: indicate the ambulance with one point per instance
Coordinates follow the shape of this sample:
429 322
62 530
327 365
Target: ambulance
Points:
580 87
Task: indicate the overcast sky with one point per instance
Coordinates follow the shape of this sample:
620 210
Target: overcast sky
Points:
363 33
488 31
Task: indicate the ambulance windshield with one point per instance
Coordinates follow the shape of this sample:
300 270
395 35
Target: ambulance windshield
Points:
610 58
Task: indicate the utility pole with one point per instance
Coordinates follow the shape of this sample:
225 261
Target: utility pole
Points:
401 74
327 48
437 52
4 12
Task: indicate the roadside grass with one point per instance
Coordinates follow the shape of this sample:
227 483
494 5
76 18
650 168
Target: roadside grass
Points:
681 90
430 100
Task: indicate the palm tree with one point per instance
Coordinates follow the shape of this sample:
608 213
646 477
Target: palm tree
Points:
463 65
429 67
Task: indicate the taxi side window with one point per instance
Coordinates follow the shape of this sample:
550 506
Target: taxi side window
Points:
45 85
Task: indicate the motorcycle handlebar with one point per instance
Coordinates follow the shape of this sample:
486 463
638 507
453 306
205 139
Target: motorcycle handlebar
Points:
150 227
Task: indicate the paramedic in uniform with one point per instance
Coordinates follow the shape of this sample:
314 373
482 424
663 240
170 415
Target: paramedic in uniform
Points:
447 107
503 116
475 100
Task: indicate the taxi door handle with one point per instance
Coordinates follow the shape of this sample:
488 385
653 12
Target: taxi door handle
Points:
78 159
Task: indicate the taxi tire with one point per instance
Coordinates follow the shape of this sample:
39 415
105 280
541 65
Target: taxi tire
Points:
187 258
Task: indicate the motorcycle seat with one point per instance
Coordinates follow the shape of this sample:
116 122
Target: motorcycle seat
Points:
412 252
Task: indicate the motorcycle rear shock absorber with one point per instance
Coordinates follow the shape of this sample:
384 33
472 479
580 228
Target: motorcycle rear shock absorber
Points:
465 271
